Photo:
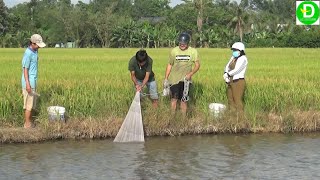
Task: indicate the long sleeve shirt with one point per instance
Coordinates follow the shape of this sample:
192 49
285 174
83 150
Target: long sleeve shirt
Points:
240 68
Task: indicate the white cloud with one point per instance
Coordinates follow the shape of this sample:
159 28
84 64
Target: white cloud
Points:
175 2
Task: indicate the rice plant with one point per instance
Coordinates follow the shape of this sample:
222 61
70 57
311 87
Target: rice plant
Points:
95 83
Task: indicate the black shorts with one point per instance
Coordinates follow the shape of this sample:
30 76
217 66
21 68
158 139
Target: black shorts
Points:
177 90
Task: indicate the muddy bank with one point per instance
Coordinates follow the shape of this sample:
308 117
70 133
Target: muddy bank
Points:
164 125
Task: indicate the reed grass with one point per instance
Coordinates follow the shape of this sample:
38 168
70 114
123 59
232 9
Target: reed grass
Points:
94 85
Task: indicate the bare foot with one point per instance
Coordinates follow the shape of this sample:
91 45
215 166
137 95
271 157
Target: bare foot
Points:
28 125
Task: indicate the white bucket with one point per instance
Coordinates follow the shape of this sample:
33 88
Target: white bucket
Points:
56 113
217 109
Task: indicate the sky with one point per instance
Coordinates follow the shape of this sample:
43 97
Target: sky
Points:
10 3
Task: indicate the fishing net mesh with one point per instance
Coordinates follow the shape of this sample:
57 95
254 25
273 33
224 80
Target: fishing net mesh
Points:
131 129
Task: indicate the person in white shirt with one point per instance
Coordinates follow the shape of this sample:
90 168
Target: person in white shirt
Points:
234 76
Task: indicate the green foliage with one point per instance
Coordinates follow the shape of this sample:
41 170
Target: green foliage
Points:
4 23
183 18
152 23
147 8
303 38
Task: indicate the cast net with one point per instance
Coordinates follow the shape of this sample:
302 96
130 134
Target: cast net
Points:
132 128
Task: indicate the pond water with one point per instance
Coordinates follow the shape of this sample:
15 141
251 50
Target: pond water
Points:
257 156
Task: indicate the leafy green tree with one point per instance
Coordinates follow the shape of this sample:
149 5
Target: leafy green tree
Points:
170 36
125 34
104 22
183 18
152 23
3 18
211 37
157 35
241 20
150 8
147 34
22 38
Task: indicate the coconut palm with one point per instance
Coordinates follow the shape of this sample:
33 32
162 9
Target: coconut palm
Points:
240 23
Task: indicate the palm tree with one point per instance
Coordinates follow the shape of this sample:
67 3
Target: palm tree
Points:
240 22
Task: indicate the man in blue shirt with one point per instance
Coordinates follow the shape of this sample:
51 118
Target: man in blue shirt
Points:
30 76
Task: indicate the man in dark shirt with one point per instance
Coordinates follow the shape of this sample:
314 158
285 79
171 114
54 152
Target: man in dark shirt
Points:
140 67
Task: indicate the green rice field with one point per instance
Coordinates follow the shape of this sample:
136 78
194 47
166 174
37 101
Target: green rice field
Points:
96 84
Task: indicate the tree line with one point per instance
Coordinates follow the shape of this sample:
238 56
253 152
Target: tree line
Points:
153 23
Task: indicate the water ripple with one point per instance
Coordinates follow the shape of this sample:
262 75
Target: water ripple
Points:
267 156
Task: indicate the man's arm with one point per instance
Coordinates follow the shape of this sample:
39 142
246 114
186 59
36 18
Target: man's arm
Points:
134 80
145 80
168 70
26 77
148 72
194 70
133 77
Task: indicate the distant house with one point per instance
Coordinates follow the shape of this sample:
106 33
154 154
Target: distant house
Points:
71 45
59 45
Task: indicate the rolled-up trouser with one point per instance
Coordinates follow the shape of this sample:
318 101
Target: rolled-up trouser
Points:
235 93
29 100
152 88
